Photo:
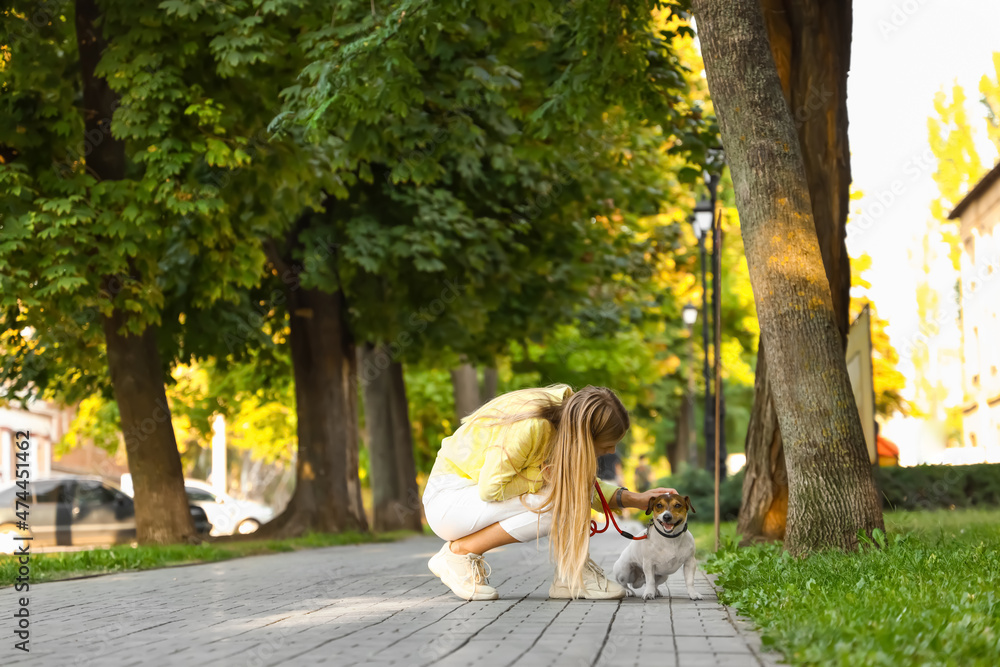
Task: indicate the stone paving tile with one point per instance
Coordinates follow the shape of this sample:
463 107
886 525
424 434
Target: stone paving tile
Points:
373 606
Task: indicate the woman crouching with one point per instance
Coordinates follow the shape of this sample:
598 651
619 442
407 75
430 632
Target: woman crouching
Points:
520 468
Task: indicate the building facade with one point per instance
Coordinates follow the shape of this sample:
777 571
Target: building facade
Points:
978 215
45 423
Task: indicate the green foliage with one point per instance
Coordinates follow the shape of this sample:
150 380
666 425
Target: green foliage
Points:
179 225
926 594
432 412
96 420
481 179
699 484
939 487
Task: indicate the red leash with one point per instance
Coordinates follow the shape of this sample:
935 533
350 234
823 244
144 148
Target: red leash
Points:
609 519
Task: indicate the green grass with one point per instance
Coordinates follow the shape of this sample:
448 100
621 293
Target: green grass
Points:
124 558
704 535
929 595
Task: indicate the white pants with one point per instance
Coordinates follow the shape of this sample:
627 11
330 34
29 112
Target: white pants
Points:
454 510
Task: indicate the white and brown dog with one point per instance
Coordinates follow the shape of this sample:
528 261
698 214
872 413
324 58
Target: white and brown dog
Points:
647 563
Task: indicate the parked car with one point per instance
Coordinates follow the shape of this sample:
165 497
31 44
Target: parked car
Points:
75 510
228 515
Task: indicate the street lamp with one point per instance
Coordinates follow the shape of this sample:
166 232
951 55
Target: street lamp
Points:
705 220
702 221
716 459
689 314
704 214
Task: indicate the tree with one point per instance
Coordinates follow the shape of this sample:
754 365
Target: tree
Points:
181 230
831 492
811 45
937 258
465 384
494 166
73 230
395 499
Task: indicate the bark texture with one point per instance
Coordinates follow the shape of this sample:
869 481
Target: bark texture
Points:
679 450
327 496
831 492
764 508
811 45
465 388
162 515
390 443
488 390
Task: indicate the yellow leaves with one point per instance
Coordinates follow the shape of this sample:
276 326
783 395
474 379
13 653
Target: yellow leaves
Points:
990 91
669 365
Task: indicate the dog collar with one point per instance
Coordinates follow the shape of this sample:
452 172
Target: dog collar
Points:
657 528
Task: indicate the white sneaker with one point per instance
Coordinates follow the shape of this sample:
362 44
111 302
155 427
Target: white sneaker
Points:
596 585
467 576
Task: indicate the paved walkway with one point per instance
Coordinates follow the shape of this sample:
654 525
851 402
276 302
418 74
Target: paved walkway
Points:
369 605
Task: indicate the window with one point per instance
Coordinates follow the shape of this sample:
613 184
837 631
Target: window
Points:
50 491
198 495
92 494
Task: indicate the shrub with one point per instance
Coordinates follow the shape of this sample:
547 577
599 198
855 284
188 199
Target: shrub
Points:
699 484
932 487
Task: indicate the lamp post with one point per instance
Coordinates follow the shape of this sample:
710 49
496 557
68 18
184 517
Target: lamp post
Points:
706 210
689 314
714 409
701 221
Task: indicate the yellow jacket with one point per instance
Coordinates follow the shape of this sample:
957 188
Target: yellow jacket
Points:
505 462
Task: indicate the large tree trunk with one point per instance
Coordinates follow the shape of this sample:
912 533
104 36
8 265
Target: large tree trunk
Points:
162 515
764 508
465 388
679 451
327 496
406 464
831 492
488 390
390 443
811 46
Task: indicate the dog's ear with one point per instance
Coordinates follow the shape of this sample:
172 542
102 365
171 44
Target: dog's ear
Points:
687 501
649 507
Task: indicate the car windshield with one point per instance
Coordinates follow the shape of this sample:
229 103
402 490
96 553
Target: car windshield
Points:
49 491
199 495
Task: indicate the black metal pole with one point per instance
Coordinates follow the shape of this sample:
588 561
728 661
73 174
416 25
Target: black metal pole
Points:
711 182
704 336
719 444
718 416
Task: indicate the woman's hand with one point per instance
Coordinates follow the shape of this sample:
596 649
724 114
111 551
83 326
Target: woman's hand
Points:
640 501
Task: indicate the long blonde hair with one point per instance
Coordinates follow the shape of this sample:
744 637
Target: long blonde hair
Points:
592 414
